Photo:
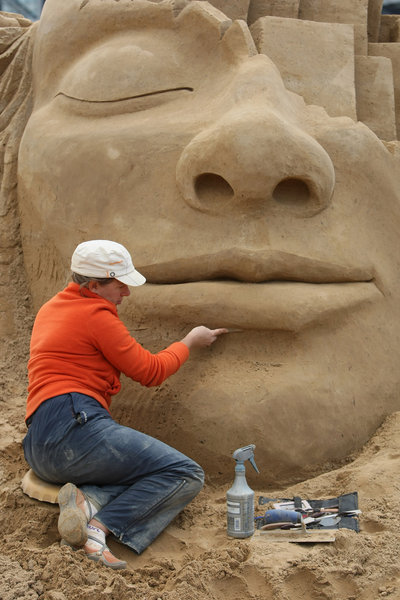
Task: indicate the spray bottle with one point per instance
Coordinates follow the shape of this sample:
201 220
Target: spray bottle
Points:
240 498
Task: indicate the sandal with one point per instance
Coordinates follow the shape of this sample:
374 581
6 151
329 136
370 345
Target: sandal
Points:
72 522
100 555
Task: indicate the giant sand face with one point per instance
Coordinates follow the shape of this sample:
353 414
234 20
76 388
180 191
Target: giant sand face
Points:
250 196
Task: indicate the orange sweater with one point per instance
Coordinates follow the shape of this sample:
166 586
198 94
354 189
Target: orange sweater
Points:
79 344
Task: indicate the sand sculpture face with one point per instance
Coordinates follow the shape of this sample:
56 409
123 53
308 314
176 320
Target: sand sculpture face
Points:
243 206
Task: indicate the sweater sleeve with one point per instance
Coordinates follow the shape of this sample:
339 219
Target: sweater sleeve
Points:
113 339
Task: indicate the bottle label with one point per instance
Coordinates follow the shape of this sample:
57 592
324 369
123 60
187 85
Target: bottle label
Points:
240 517
233 507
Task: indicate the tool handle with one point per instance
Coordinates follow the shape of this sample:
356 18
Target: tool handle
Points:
282 525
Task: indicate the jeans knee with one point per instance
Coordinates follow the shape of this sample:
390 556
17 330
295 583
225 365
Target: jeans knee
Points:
196 480
200 474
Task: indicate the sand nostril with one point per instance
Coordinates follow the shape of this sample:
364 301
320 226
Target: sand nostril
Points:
292 192
210 187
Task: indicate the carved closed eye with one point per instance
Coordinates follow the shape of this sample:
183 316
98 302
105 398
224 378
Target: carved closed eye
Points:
137 103
119 76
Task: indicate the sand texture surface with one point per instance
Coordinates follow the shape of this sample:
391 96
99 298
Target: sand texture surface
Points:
263 197
194 559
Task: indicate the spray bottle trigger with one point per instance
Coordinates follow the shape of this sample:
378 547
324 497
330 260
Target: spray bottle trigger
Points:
253 464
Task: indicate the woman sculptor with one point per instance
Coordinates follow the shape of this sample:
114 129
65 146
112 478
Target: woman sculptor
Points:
129 483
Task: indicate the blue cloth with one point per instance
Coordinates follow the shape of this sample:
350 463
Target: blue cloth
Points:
138 483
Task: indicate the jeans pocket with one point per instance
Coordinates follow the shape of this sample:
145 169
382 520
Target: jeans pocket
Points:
78 414
85 408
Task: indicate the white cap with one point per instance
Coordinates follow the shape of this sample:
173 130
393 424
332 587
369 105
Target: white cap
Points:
105 259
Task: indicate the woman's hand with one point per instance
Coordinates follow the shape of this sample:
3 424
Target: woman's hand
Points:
201 337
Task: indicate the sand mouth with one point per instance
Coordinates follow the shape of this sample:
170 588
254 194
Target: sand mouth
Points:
254 266
286 305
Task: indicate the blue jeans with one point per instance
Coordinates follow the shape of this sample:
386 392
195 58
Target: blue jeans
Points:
137 483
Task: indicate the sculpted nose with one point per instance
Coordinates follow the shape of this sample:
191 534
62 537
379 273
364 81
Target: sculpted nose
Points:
255 157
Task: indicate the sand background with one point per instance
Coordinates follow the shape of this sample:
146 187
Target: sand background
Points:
194 559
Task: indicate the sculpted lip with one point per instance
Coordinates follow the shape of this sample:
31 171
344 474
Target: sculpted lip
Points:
254 267
252 290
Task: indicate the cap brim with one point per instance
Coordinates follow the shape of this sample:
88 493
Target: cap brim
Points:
133 278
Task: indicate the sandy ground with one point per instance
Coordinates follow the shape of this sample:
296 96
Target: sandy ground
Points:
194 559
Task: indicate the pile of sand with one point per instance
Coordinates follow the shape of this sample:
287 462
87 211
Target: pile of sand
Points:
194 559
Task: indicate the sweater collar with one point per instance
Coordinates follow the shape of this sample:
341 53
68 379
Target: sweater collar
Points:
84 292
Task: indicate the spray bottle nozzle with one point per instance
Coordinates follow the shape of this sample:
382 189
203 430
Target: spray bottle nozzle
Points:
246 453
